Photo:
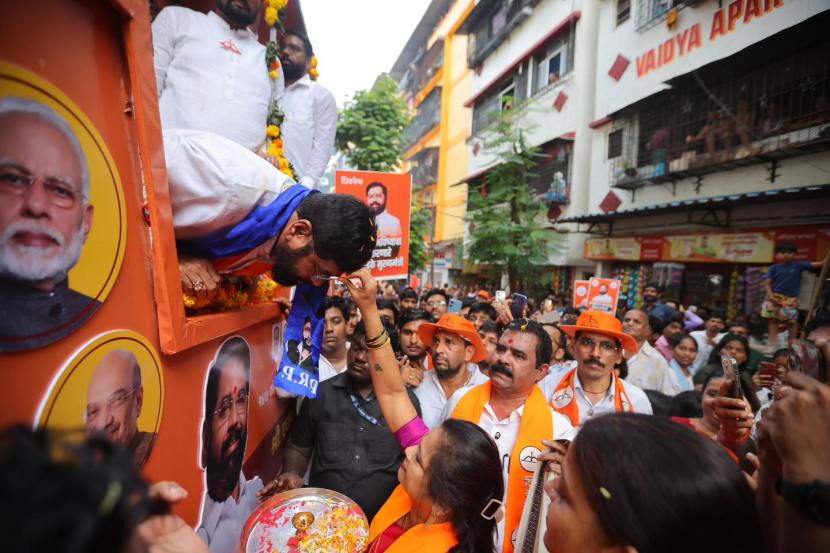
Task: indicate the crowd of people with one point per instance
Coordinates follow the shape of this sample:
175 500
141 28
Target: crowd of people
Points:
490 430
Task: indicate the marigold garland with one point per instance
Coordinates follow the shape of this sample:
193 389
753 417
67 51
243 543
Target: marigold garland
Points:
312 71
235 293
274 147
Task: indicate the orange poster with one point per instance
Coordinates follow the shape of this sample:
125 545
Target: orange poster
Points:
603 294
581 293
388 198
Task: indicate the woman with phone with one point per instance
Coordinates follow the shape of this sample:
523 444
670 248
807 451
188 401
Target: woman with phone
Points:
451 483
737 347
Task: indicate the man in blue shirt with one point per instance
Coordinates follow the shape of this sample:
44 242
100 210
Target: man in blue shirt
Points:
783 285
652 304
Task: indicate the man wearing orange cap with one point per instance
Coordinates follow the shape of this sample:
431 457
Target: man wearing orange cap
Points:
456 348
593 388
511 408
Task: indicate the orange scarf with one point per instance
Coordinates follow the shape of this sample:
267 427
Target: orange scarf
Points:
536 425
564 398
437 538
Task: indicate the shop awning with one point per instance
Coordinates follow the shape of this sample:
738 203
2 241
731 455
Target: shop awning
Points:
712 202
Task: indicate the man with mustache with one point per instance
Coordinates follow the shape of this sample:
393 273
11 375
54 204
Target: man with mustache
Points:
511 408
354 452
45 217
229 498
387 224
310 111
455 347
593 388
115 397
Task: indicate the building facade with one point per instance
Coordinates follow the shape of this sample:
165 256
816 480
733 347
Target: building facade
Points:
709 144
434 79
526 54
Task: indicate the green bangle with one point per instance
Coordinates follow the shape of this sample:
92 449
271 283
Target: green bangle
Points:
380 345
377 338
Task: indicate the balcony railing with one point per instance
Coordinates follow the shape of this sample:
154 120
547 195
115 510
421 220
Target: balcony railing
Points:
652 12
427 117
496 22
717 121
424 167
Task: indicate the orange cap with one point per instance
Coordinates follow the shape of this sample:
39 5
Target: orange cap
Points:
602 322
454 324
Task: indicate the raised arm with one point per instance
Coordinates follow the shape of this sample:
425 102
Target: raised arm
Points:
386 375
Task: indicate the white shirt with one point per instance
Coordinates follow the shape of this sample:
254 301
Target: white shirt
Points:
587 410
649 370
388 225
431 394
504 433
602 303
704 349
215 182
555 373
221 522
211 77
309 127
326 370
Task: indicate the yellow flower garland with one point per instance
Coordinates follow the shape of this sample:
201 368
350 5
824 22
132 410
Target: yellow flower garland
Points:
274 148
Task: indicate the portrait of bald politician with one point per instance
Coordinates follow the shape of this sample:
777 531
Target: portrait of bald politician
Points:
115 398
45 218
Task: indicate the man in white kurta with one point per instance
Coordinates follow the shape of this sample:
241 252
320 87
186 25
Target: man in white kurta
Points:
310 112
211 75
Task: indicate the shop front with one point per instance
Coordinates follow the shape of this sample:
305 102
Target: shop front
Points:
723 270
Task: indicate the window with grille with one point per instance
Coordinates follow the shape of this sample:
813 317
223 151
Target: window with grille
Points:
623 11
615 144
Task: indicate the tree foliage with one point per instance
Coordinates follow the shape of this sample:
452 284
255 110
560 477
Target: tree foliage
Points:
506 219
370 127
420 230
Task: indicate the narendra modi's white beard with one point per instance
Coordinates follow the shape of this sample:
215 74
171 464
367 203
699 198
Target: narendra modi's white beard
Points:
33 263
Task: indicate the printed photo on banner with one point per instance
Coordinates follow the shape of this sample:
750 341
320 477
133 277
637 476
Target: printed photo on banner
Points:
603 294
112 388
388 196
62 227
581 293
229 496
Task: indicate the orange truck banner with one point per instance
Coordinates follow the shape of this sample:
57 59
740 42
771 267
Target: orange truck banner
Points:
388 196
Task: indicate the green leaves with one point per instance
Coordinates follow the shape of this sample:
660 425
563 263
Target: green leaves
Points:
509 221
370 127
420 229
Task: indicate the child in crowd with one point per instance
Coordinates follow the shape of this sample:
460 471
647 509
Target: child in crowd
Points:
783 285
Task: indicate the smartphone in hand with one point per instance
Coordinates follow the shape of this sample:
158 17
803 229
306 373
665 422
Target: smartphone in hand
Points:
454 306
768 370
730 369
501 295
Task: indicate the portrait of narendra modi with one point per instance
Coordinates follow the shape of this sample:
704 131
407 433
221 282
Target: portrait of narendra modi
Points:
45 218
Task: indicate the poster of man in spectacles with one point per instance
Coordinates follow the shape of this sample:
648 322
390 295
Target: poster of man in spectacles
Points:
49 159
229 497
115 397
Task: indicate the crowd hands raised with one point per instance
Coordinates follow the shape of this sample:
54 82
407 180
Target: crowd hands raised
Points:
693 467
